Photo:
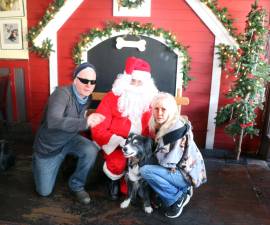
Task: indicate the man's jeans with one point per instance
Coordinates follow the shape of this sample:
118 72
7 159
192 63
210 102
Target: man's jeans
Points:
45 170
168 185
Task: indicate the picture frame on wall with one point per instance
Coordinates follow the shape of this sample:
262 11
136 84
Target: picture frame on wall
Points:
11 37
142 10
11 8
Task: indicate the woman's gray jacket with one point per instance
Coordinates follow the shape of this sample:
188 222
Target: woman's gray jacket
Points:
172 153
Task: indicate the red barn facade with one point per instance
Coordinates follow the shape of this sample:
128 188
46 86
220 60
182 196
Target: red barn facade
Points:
178 17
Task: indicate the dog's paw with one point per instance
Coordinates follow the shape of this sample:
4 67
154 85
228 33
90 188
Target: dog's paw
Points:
148 209
125 203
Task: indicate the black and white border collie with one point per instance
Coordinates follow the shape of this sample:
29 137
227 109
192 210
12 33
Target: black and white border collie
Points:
138 151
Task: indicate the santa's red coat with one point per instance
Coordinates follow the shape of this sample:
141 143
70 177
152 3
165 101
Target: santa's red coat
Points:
109 134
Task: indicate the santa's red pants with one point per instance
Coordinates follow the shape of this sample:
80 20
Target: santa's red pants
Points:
115 167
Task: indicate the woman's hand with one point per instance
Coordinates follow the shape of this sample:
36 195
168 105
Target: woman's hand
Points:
94 119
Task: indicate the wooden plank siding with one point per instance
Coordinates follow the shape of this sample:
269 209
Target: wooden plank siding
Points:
175 16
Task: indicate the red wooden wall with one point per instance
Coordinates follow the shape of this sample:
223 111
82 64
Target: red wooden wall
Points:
173 15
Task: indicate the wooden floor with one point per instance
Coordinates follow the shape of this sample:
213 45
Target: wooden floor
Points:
236 194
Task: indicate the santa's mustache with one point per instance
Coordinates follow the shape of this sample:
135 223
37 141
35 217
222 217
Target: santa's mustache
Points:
131 103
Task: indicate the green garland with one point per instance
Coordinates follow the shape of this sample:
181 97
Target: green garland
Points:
46 48
135 29
222 15
131 4
54 7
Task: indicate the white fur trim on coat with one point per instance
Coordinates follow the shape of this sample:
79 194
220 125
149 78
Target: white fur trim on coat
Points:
140 75
136 127
113 143
110 174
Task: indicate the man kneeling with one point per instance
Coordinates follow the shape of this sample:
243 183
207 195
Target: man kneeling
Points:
58 135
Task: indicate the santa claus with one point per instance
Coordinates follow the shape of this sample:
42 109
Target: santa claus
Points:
126 109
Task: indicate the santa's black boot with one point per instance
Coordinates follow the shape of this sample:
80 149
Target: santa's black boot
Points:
114 186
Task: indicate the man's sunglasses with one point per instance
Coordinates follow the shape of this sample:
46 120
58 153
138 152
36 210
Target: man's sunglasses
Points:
86 81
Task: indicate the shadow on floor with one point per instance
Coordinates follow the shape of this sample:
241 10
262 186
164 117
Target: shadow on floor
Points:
235 194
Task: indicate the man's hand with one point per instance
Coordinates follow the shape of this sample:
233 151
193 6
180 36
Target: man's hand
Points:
94 119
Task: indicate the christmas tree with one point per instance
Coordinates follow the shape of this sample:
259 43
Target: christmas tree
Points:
250 72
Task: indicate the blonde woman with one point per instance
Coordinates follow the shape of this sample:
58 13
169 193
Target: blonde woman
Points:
180 163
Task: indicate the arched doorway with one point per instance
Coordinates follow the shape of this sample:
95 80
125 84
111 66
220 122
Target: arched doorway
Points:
110 61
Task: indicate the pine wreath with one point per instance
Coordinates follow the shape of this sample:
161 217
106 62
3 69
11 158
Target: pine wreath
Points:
130 3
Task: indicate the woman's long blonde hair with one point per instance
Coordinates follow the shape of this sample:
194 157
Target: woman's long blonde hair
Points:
172 109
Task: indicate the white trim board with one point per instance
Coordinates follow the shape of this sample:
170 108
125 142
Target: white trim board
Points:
202 11
212 22
53 65
214 96
69 7
50 32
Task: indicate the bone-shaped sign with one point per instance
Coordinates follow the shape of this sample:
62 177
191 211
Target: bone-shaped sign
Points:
122 43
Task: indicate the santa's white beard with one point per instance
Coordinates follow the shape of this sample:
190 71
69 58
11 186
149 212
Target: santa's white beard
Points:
133 100
132 103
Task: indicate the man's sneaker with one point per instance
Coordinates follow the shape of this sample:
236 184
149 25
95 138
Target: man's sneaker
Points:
176 209
83 197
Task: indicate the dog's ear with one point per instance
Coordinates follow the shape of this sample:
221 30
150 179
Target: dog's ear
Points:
131 135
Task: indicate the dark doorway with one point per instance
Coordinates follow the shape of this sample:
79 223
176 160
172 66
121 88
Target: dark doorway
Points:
110 61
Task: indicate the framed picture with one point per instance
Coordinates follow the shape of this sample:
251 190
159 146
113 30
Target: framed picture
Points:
142 10
11 8
11 34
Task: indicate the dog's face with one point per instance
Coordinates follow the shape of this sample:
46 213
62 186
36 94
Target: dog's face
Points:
137 146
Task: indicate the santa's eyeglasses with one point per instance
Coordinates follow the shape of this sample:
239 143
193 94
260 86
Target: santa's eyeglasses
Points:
86 81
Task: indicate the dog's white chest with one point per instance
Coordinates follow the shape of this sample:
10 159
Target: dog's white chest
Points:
133 173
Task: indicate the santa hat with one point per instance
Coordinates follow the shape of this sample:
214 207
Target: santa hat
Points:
138 68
